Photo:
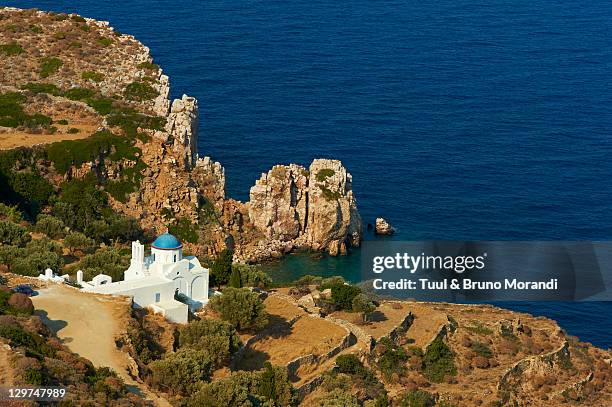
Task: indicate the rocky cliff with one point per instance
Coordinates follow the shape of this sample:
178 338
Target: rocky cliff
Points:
159 179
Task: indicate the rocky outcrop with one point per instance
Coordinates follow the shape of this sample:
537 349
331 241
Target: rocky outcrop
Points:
165 182
278 204
182 129
383 227
312 208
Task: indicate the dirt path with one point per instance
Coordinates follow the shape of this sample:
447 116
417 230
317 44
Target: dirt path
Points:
14 138
88 324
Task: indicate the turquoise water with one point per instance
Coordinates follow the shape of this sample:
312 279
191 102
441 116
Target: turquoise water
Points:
459 120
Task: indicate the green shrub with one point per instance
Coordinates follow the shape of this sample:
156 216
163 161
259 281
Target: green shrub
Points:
252 276
130 121
13 234
328 194
34 343
393 359
11 49
59 35
129 181
343 294
324 173
244 389
242 308
438 361
185 230
76 44
148 66
362 303
349 364
181 372
222 267
36 29
80 203
49 66
140 91
111 261
49 88
101 105
66 153
79 93
235 280
217 339
63 122
11 213
92 76
78 19
416 398
36 263
481 349
73 130
12 114
479 328
78 241
105 42
50 226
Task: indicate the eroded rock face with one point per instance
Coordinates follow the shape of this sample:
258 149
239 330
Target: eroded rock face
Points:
278 202
312 208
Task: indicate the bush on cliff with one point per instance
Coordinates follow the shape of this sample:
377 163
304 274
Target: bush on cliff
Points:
242 308
140 91
49 66
11 49
67 153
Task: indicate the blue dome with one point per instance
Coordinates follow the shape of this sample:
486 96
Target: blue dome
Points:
167 242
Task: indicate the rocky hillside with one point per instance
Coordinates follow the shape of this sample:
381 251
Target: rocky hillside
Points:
80 101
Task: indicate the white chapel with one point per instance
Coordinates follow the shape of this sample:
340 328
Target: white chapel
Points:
155 281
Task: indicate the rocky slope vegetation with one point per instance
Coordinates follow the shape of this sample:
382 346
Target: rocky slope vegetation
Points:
88 103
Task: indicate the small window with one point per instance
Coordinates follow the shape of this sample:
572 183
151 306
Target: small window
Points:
157 297
175 258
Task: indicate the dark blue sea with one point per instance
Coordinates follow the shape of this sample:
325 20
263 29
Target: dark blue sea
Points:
458 119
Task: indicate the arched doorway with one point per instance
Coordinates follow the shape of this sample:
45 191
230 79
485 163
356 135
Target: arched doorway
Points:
181 285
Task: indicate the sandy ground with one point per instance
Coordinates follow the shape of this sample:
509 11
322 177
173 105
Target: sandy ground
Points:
88 325
14 139
281 343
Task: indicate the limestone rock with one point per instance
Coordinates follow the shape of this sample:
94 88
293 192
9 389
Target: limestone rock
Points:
333 218
314 208
278 202
182 127
383 227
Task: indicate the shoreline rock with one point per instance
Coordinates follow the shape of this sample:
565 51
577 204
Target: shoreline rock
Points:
383 228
